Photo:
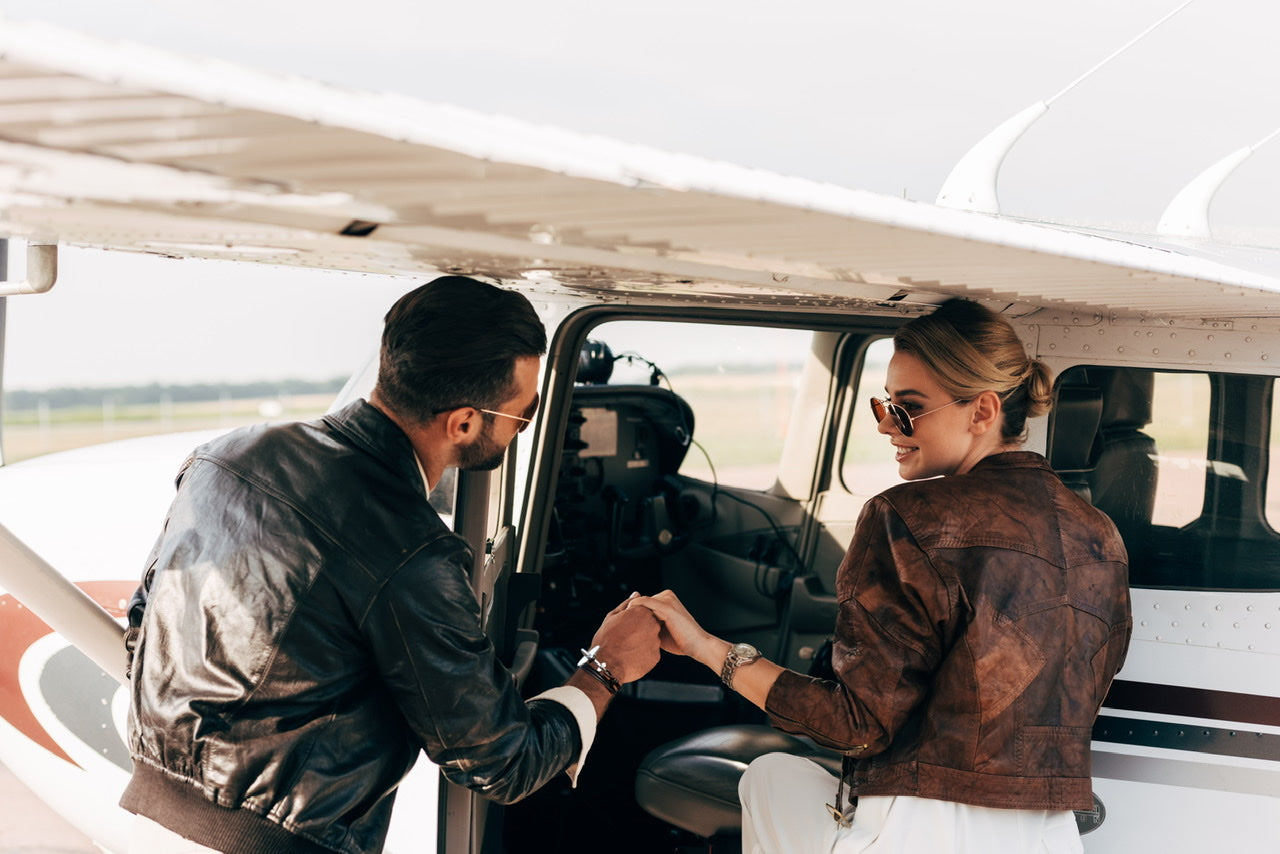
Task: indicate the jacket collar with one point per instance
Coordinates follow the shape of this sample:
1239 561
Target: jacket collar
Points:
1012 460
372 431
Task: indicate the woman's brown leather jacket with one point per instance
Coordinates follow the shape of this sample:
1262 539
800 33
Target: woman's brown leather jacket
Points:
981 619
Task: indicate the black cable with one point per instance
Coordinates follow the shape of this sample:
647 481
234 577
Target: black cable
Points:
655 376
777 532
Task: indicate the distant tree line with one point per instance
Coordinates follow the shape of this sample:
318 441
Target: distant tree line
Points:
140 395
67 398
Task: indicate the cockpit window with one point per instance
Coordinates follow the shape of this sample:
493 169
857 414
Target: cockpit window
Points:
739 381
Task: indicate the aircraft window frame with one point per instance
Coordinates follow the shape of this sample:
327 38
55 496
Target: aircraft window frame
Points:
874 454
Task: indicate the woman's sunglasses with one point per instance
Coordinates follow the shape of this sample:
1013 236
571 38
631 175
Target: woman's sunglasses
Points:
881 408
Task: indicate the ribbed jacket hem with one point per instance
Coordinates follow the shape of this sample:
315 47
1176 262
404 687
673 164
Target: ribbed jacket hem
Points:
182 807
977 789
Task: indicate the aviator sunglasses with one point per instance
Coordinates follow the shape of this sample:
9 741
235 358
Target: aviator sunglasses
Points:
525 420
881 408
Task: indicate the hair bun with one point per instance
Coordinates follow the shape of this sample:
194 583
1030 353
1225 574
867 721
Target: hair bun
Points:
1039 387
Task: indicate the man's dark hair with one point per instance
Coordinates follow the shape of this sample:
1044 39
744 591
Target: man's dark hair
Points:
454 342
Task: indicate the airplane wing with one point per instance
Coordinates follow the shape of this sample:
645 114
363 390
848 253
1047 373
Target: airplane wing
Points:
121 146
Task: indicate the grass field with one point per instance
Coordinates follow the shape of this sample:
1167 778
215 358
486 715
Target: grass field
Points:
30 433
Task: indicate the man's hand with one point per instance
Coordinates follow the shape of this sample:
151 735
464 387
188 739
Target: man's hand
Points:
628 641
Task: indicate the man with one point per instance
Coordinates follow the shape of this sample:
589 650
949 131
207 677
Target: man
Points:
306 624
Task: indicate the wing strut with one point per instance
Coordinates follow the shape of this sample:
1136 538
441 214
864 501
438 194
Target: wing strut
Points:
42 272
66 608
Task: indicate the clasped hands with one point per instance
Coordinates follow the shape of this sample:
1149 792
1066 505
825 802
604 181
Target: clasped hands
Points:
632 634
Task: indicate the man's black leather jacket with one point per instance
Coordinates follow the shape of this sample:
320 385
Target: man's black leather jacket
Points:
305 625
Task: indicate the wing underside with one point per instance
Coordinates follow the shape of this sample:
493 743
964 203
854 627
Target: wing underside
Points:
120 146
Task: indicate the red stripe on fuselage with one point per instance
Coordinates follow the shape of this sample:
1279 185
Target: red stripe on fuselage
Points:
1194 702
19 629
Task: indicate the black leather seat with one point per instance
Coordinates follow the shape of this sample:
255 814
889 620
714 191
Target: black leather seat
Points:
692 782
1123 480
1097 446
1077 412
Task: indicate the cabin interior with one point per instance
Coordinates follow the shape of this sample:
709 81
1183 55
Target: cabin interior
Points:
736 482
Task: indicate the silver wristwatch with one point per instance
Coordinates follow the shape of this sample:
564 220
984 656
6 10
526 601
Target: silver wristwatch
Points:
738 655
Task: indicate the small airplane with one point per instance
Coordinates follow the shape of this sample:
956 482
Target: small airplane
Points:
734 478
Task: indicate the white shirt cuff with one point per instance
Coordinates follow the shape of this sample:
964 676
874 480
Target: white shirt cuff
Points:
584 712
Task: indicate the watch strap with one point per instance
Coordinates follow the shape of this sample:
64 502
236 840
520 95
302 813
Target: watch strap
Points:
737 655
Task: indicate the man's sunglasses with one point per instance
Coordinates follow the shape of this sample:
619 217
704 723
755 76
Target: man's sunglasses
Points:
525 420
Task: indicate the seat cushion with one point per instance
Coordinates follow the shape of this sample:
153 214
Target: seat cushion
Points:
692 782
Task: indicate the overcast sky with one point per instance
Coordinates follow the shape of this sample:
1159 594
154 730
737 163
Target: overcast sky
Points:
882 97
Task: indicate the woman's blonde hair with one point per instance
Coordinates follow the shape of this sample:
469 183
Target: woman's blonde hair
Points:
970 349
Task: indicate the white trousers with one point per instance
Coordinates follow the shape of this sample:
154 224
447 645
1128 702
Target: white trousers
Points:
147 837
784 811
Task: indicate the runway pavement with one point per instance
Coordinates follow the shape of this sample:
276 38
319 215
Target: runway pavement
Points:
27 826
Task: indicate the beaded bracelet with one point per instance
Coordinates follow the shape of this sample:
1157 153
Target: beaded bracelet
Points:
597 668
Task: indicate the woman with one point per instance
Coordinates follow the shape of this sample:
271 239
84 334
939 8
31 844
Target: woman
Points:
982 616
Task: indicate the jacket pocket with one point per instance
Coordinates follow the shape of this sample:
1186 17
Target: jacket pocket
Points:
1053 750
1005 659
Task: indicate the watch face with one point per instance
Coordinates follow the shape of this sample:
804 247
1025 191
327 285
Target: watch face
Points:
744 651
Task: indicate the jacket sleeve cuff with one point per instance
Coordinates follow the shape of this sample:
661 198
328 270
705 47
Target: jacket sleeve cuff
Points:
584 712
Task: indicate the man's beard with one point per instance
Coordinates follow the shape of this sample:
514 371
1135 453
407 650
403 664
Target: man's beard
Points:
483 454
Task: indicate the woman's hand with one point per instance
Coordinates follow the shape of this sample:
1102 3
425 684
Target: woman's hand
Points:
681 634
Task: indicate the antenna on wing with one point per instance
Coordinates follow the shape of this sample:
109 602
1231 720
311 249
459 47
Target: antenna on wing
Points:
972 182
1188 214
